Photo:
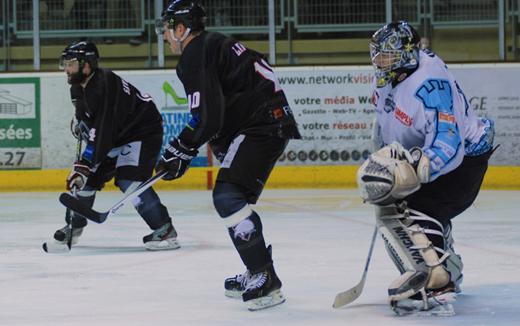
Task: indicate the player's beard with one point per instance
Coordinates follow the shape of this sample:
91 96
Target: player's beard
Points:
76 78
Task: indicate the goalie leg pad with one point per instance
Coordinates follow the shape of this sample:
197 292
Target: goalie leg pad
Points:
412 251
453 263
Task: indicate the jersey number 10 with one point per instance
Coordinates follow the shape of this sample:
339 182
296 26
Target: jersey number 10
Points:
194 100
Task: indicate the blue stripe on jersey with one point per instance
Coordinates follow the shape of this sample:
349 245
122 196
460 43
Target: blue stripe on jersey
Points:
88 154
194 122
485 143
436 94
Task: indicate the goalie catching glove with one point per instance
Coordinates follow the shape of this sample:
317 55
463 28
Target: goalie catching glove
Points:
175 160
392 173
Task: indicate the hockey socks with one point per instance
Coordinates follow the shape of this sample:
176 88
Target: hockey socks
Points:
259 285
249 241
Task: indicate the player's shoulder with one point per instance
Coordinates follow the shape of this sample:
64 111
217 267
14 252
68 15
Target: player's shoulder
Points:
105 74
431 67
111 74
205 41
220 45
213 38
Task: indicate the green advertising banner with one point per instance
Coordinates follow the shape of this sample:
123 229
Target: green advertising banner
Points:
20 135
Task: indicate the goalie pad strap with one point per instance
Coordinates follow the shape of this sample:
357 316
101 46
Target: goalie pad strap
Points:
409 247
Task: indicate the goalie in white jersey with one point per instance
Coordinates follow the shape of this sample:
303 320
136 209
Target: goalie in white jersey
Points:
432 154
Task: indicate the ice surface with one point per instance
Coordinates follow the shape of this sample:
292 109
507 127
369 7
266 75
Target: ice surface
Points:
320 240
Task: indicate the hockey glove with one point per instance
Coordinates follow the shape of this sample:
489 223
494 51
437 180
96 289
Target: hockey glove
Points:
175 160
77 178
415 156
75 128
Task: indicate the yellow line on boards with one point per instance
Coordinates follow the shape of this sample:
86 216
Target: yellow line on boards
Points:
334 176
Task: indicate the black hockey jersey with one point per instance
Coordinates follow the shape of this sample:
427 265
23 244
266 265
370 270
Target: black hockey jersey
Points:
111 112
231 90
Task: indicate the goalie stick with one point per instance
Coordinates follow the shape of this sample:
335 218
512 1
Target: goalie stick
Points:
348 296
77 206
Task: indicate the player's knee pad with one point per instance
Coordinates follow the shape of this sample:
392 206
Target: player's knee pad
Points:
147 204
244 225
230 202
415 242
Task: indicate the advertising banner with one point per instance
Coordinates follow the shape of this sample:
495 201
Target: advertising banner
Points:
332 105
169 96
20 142
333 108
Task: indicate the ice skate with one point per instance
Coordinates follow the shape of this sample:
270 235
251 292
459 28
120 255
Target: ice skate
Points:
235 286
164 238
263 290
62 235
427 303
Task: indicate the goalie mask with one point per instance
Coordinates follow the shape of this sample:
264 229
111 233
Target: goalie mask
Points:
394 50
81 52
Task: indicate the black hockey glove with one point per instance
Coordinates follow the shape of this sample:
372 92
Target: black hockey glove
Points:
175 160
78 176
75 129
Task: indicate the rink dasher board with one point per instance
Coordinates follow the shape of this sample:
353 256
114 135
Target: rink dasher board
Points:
20 158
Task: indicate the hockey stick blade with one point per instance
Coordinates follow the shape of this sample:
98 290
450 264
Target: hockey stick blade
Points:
99 217
79 207
348 296
55 248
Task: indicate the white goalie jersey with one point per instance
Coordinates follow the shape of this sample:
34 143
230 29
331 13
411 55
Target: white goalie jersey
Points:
429 110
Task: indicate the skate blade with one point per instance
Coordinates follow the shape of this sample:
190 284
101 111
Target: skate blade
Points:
445 310
439 306
168 244
272 299
233 294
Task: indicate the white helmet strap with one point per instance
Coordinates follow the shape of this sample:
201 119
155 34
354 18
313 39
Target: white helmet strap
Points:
180 40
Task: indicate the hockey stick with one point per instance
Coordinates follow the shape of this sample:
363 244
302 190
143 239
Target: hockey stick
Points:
348 296
74 194
77 206
48 247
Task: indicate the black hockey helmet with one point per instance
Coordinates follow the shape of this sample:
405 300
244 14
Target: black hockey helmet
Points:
398 43
190 13
83 51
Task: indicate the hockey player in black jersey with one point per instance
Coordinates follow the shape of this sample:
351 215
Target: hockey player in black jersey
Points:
123 133
238 107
